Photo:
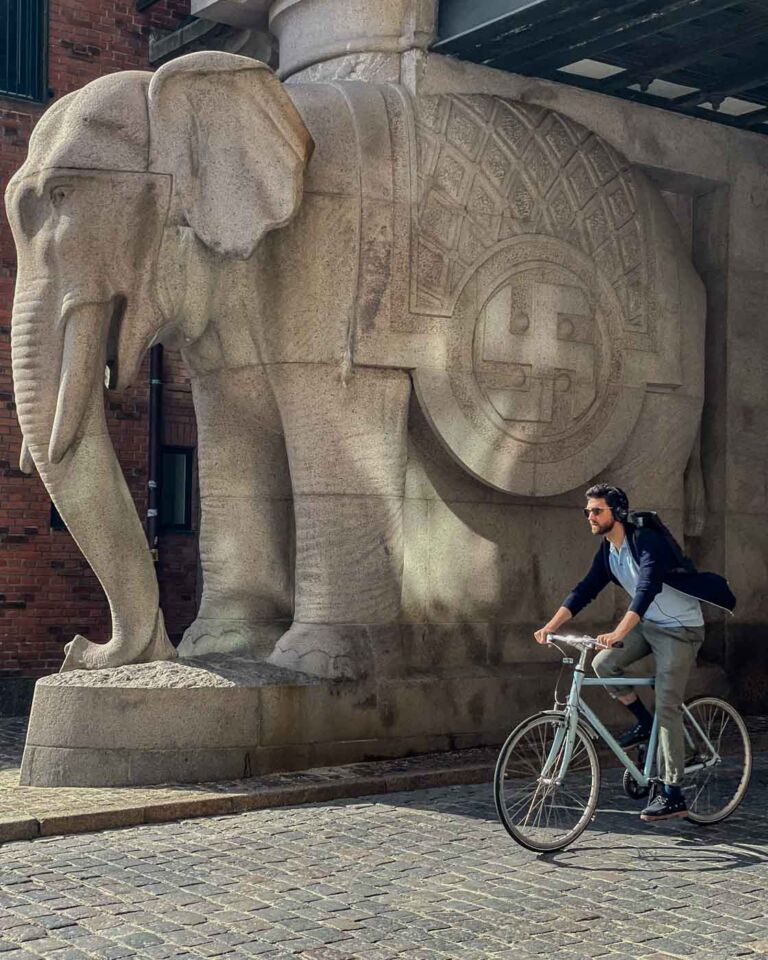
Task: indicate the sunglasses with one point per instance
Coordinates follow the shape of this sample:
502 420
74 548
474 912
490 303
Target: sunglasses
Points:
594 511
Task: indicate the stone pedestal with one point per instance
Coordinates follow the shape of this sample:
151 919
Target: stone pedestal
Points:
222 717
501 242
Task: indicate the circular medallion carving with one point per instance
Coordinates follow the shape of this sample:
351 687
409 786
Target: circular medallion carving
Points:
536 397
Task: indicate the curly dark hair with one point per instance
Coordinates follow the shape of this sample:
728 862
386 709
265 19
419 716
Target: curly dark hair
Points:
613 496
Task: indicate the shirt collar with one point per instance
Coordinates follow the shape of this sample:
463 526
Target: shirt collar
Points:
617 553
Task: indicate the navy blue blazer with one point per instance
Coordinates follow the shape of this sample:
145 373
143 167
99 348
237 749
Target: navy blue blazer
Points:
657 565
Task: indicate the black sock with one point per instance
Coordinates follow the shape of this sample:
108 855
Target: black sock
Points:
637 707
673 791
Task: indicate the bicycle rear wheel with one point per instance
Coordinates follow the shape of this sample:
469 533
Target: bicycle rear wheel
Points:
714 792
537 812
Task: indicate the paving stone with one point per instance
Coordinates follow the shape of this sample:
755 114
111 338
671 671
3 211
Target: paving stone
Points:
427 875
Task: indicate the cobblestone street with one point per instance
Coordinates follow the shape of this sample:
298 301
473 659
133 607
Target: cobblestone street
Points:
425 874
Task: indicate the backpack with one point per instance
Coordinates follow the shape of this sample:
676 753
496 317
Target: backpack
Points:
650 520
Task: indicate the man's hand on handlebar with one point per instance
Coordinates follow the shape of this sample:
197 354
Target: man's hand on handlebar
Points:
616 637
612 639
555 622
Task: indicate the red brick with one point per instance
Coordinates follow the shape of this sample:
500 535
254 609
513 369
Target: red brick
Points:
87 38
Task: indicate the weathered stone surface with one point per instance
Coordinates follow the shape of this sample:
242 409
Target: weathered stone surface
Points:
124 137
497 241
529 278
322 31
213 670
223 717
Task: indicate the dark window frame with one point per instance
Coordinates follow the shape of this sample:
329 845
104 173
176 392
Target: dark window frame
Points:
31 41
189 462
56 520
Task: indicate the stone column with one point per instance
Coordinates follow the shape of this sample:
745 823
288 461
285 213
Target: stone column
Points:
312 32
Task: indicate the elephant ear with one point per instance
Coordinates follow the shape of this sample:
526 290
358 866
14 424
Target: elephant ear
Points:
229 134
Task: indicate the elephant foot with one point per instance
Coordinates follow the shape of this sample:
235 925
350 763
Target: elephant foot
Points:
82 654
247 637
331 651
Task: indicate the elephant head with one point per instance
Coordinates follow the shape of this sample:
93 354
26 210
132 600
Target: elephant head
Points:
120 176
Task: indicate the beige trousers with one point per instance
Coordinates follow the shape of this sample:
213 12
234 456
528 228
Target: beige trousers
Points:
674 650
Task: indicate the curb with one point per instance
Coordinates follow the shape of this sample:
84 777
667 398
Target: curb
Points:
242 801
318 785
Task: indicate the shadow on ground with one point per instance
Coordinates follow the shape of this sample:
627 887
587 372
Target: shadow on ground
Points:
13 731
677 846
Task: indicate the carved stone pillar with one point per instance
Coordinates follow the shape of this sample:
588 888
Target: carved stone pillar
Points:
314 31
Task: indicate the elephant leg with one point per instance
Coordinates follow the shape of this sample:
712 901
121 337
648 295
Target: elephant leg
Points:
245 528
346 444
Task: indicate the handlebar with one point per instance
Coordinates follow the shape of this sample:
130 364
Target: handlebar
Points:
581 643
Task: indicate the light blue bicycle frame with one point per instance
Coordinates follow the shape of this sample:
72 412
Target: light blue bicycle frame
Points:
575 709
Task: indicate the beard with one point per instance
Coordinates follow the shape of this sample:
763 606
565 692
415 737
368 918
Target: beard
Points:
600 529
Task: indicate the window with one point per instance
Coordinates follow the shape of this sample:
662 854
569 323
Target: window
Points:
176 489
22 48
57 522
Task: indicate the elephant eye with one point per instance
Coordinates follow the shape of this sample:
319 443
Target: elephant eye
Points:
58 196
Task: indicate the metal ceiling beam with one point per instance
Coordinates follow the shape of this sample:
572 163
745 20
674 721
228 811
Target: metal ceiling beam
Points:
743 122
623 30
757 116
712 42
457 18
536 37
755 75
572 24
537 22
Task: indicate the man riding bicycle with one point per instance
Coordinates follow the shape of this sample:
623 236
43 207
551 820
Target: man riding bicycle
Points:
664 618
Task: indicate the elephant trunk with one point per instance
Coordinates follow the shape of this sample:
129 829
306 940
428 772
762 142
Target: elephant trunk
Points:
59 355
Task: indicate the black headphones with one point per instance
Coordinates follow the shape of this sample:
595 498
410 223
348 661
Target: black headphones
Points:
618 501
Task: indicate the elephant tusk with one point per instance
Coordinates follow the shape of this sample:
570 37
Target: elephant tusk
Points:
82 358
26 463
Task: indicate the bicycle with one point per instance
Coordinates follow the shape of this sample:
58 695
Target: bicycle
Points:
547 777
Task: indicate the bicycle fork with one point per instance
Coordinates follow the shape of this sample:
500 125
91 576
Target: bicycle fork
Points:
560 753
553 769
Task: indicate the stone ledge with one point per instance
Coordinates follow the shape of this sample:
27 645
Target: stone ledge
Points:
30 812
229 718
60 811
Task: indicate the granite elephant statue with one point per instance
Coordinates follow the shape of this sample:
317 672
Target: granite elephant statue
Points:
316 250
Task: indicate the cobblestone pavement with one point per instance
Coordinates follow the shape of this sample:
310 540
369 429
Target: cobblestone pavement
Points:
27 812
424 875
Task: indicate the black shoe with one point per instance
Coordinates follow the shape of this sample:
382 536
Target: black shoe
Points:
663 807
638 734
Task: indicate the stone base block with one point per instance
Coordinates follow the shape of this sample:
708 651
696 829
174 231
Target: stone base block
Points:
221 717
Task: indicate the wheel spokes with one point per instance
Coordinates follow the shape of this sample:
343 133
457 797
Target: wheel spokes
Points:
539 805
716 789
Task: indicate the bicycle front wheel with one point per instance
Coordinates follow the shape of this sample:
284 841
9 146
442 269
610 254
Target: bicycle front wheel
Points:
538 811
715 790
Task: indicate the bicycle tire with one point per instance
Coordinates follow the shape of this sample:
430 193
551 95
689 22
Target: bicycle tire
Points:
714 793
517 778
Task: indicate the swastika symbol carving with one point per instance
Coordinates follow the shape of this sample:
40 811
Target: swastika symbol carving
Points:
535 353
536 389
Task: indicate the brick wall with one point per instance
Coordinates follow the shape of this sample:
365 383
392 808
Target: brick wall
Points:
47 591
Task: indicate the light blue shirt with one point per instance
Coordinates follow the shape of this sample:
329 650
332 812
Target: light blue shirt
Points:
671 608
